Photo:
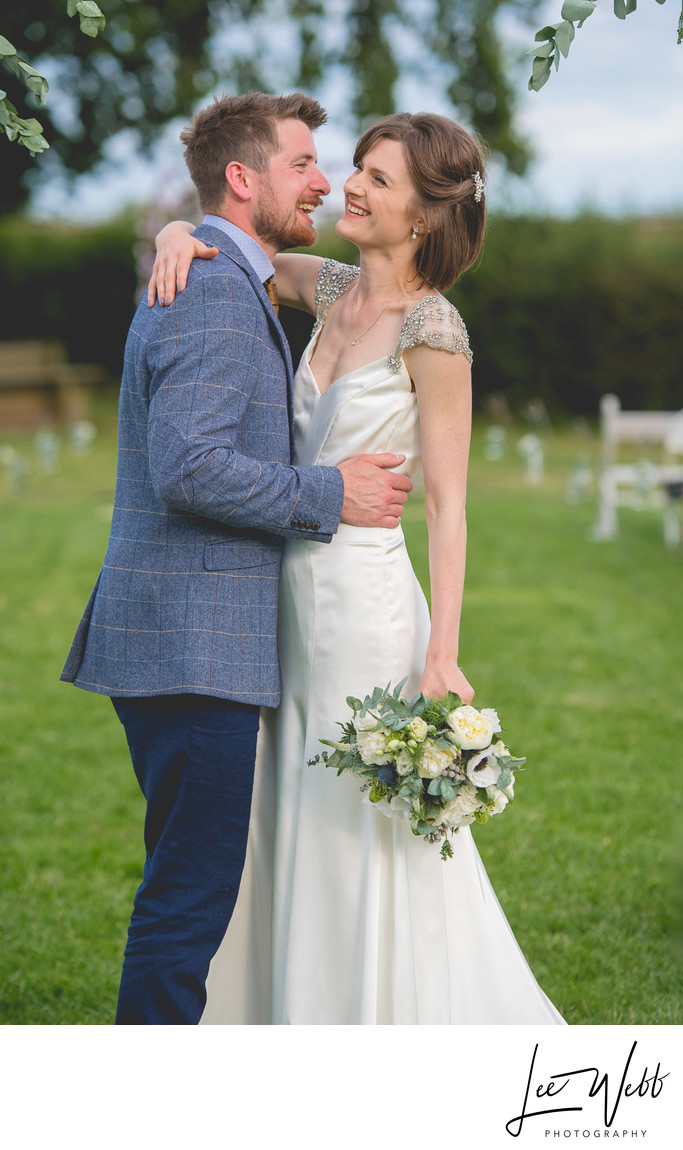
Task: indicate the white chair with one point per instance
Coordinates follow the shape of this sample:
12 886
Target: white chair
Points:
645 483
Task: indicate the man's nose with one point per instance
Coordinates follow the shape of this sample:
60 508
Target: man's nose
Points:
320 183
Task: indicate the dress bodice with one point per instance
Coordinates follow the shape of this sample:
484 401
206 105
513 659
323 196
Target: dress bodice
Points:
374 407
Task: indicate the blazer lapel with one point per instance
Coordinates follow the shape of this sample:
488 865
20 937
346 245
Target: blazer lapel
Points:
228 247
216 238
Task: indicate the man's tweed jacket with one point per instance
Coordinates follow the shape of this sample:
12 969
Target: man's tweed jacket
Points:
186 601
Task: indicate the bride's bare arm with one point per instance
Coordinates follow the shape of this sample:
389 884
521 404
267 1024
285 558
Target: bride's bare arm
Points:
297 275
176 246
443 387
176 249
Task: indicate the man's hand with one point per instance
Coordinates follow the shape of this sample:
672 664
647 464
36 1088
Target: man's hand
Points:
373 495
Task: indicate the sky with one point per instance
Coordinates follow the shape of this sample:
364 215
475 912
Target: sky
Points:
607 129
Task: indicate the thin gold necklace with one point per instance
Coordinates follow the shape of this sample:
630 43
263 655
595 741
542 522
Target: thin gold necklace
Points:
355 338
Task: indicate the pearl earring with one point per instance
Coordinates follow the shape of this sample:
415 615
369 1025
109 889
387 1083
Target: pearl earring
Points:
416 232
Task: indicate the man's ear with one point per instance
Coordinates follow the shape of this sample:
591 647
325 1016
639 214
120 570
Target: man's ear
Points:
239 179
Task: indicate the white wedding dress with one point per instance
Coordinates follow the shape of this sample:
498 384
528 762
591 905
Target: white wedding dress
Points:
343 915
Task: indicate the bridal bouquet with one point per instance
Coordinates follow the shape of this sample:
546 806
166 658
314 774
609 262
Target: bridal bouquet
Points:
434 762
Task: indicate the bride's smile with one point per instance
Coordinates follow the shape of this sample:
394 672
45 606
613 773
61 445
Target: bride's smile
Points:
381 210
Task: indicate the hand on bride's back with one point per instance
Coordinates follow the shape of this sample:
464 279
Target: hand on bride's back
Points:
373 495
176 249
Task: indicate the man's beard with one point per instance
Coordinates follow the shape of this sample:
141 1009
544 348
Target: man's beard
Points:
276 227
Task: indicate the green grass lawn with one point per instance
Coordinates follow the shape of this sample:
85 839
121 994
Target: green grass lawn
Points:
576 643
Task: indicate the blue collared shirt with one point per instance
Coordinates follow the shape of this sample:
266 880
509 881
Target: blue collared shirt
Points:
249 248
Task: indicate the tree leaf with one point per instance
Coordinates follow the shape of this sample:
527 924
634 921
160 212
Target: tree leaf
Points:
547 33
544 51
91 27
6 49
88 8
539 74
623 8
577 9
564 36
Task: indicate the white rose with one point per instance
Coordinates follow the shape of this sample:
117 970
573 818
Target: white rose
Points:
499 799
372 746
483 769
418 729
433 761
365 722
474 729
404 762
492 716
460 812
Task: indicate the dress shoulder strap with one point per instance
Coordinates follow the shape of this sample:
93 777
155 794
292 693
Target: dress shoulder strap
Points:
333 280
435 322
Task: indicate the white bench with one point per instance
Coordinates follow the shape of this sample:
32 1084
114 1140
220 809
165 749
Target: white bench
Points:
646 483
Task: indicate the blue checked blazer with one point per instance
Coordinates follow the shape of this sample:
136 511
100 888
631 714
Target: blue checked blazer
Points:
186 601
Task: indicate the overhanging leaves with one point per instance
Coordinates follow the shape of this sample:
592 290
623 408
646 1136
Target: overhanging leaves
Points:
557 38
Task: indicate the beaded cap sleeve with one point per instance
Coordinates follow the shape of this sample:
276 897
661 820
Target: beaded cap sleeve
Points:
435 322
333 280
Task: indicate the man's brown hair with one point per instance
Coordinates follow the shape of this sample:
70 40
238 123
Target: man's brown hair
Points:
241 128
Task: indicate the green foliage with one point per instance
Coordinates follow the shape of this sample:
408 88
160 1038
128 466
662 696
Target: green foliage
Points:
74 284
569 310
555 39
566 310
153 63
30 132
90 17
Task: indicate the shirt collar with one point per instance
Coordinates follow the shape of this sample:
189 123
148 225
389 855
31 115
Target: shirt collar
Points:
250 249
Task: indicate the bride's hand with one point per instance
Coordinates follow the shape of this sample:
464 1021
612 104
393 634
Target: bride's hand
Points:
176 249
438 678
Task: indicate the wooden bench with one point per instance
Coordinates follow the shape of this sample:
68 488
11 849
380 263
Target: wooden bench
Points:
38 385
645 482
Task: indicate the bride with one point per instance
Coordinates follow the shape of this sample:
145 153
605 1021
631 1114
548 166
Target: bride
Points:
343 916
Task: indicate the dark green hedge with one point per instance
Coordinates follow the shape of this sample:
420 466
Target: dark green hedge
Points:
69 283
569 310
564 310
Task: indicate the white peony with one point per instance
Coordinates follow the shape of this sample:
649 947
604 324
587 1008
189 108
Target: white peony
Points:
483 769
404 762
433 761
372 747
460 812
418 729
474 729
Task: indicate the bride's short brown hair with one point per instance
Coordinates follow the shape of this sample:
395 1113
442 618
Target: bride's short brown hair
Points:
442 159
240 128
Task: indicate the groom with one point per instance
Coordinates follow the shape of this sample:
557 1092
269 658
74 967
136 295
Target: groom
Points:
181 627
